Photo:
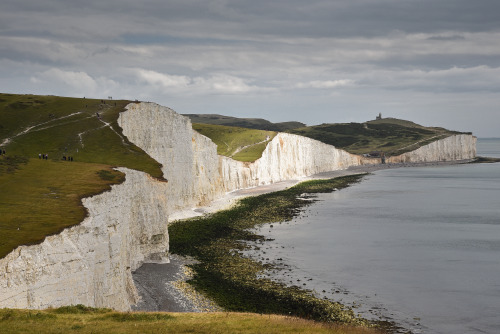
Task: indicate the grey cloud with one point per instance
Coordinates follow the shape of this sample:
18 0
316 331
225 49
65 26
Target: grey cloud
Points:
437 61
455 80
342 60
369 18
247 19
446 38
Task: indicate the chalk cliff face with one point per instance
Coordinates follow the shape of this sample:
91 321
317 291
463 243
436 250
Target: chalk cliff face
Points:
453 148
195 172
286 157
91 263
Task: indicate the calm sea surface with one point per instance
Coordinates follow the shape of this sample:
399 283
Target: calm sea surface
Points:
420 246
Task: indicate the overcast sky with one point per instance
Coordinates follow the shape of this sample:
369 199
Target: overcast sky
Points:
435 62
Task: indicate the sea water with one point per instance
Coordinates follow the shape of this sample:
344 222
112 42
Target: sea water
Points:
417 246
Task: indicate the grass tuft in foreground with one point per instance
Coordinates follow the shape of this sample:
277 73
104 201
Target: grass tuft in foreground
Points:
96 321
230 279
79 309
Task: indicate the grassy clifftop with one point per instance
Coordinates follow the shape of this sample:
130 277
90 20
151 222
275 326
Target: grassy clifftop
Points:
40 197
249 123
391 136
85 129
235 142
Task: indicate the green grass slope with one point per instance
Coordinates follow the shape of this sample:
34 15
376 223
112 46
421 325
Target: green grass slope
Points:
241 144
250 123
60 126
41 197
391 136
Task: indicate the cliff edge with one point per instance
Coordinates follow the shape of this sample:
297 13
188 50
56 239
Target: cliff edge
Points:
91 263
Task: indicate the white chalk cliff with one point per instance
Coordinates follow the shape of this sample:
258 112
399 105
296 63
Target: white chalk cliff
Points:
91 263
453 148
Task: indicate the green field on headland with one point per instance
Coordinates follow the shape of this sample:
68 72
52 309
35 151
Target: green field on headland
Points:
85 129
238 143
248 123
389 135
230 279
41 197
81 319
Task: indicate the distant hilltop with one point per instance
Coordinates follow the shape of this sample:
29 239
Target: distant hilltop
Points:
389 135
250 123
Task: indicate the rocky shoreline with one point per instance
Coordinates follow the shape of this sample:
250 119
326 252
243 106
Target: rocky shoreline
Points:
163 287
